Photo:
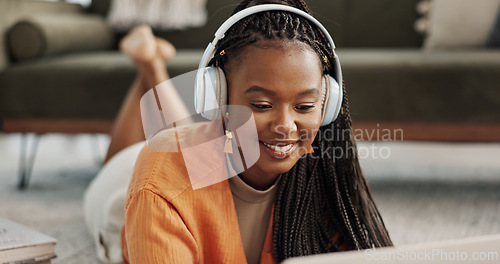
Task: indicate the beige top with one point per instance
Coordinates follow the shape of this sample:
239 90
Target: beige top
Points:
253 209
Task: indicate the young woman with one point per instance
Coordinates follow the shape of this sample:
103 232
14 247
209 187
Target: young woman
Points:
291 202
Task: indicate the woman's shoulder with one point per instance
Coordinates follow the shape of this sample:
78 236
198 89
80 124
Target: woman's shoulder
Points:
162 173
161 165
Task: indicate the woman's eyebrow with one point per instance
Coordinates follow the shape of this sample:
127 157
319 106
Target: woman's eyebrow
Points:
256 89
312 91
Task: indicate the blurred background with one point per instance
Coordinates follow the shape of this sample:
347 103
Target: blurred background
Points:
422 78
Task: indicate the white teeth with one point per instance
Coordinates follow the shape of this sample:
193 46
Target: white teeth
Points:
280 149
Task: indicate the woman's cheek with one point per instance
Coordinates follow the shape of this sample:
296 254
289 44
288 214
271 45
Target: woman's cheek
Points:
309 127
262 121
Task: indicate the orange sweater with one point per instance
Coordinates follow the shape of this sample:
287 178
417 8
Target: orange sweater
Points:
166 221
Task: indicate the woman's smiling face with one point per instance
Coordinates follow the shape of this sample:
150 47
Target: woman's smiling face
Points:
281 84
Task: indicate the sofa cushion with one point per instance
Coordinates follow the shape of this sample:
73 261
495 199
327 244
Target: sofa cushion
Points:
460 23
90 85
381 23
45 34
12 10
329 13
415 86
352 23
161 14
78 86
382 85
494 37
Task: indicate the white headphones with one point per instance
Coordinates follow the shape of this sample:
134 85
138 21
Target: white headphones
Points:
211 86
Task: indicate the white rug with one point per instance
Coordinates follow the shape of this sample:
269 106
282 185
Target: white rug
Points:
52 204
449 162
425 191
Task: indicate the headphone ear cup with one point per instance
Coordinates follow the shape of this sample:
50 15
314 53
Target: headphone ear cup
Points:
332 94
222 87
215 93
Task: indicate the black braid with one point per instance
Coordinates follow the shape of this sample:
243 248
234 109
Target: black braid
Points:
325 194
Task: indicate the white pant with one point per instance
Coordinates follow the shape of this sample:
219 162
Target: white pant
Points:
104 203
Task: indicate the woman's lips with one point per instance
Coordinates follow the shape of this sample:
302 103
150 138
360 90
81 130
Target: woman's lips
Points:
279 150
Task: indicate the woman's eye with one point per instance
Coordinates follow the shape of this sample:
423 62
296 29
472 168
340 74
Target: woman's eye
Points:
261 106
304 108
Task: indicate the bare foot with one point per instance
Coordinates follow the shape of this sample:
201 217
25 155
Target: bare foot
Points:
139 44
165 49
154 71
144 48
149 53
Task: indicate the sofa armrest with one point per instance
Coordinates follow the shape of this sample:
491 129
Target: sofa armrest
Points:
12 10
46 34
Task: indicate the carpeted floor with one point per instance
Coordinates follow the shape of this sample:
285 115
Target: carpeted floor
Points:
63 167
417 198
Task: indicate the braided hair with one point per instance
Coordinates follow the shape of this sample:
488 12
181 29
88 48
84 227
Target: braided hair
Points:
323 203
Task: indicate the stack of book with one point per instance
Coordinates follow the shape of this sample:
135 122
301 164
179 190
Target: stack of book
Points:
23 245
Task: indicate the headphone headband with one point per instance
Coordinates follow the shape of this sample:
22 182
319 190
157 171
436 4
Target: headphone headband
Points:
220 33
262 8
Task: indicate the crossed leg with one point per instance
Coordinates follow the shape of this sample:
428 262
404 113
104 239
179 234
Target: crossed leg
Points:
150 55
105 197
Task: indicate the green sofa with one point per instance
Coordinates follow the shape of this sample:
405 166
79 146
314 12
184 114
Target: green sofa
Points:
391 82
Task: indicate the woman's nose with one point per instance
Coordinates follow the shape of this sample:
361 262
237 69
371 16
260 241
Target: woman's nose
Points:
284 125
